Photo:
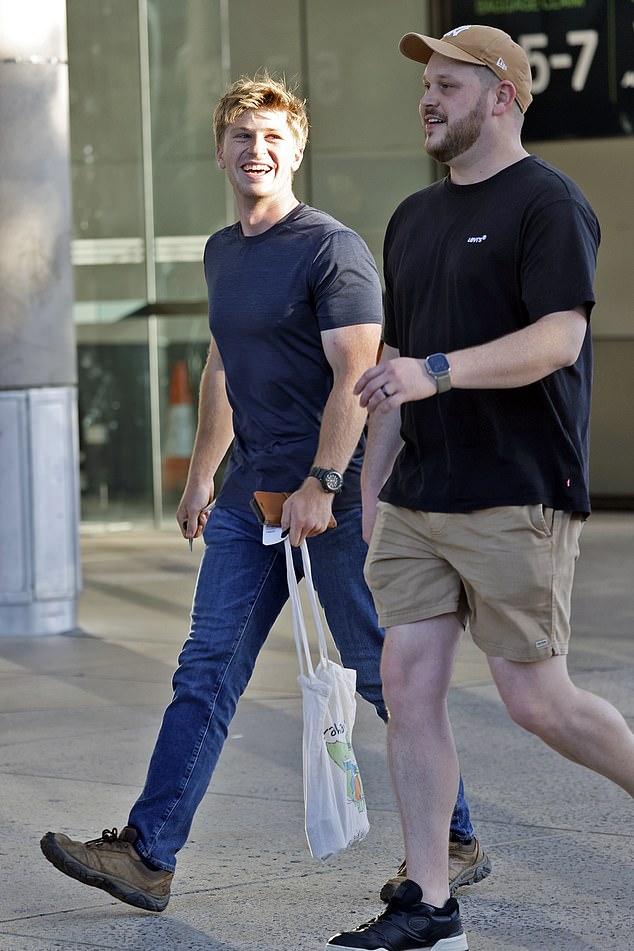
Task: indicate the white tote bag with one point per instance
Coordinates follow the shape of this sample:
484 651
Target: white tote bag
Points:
335 809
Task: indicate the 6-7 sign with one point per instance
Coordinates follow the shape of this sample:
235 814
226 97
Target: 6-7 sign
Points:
581 56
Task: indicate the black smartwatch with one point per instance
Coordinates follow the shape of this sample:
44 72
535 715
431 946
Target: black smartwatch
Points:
437 366
331 480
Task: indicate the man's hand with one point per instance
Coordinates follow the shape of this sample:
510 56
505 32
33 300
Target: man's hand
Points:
307 512
397 381
189 514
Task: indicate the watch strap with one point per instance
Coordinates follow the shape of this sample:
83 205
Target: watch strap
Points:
321 474
442 378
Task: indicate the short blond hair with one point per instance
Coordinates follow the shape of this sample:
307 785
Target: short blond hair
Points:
261 92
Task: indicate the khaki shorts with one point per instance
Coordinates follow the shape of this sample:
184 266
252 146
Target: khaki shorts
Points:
507 573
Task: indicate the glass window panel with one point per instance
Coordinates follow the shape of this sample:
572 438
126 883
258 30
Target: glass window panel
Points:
101 282
186 80
183 347
265 37
363 92
364 193
105 125
366 138
182 281
114 421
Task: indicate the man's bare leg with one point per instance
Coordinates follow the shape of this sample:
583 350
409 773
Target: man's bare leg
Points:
416 671
581 726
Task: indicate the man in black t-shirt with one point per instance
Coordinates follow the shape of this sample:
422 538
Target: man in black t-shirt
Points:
475 479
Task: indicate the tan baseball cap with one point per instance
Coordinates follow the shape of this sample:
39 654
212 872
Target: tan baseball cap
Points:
482 46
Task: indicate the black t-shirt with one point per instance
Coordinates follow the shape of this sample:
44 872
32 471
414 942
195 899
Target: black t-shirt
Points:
270 297
466 264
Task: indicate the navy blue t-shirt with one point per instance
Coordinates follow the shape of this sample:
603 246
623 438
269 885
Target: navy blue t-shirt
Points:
270 297
464 265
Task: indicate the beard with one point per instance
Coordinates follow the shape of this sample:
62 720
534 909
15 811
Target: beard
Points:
462 134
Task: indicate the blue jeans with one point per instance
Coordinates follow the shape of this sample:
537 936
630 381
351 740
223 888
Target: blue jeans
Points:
240 592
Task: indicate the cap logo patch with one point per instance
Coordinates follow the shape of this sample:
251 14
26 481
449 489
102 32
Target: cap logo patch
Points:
458 30
501 63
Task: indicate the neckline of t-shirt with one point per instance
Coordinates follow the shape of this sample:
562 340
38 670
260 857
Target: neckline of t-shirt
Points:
487 182
290 216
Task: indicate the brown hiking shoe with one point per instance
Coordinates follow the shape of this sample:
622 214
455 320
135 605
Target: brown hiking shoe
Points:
468 864
111 863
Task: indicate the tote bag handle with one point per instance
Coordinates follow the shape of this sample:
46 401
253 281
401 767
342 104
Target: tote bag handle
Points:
302 643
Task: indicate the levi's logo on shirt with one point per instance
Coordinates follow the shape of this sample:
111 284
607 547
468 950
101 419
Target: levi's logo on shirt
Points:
477 239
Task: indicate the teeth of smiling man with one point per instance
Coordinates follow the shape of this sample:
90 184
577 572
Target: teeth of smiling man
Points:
255 168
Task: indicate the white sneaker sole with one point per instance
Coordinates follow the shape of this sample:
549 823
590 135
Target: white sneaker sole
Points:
457 943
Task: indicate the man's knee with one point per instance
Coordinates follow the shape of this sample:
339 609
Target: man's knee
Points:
409 684
532 700
528 713
394 677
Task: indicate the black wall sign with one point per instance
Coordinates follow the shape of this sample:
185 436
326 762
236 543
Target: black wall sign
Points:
582 60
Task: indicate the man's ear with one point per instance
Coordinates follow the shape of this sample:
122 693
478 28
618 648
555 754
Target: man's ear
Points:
297 161
220 156
504 97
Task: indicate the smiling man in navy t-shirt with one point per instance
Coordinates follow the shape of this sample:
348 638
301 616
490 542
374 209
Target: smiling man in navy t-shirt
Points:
295 312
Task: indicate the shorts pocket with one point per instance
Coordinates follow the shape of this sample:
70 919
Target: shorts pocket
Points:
542 519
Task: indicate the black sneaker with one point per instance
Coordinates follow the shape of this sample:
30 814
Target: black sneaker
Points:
408 923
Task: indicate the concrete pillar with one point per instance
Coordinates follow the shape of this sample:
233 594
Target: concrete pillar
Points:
39 495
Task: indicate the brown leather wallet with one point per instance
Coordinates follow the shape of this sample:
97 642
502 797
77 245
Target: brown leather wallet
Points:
268 508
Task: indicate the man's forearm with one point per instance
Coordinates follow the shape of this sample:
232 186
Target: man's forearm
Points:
522 357
214 432
349 351
383 446
341 428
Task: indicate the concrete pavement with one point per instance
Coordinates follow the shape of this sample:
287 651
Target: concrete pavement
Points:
78 718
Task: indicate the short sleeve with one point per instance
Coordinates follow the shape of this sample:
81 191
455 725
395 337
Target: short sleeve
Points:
345 283
559 258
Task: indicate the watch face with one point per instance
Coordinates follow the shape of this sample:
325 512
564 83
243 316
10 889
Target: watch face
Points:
333 481
438 363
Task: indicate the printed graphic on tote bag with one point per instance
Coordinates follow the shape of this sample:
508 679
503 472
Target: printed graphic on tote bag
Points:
341 753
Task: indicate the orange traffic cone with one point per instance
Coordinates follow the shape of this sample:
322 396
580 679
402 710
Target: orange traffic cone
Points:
180 429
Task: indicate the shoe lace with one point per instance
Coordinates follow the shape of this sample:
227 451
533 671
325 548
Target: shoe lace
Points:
370 922
385 915
107 835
